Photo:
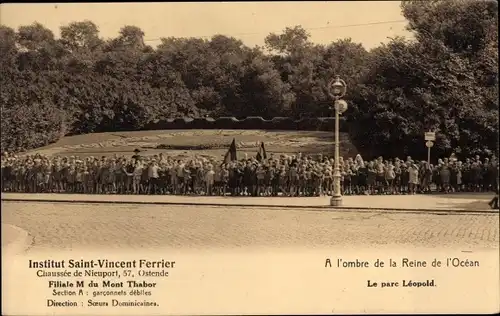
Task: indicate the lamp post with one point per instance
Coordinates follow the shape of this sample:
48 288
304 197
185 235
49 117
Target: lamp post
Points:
337 89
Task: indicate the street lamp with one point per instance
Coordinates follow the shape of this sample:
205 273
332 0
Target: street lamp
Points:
337 89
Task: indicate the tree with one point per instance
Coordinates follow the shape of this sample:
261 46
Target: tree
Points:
130 38
289 41
308 68
265 94
8 50
79 36
34 37
463 26
349 61
39 50
445 81
29 116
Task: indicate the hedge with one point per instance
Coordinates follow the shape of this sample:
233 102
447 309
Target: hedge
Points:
252 122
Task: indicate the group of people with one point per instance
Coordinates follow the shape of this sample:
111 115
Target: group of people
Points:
291 176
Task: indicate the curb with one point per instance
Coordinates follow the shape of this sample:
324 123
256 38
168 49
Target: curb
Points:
306 207
20 244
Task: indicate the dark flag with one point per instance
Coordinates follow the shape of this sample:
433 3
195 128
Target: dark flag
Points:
261 154
231 153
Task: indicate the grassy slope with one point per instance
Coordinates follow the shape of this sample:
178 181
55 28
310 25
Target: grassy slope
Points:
123 143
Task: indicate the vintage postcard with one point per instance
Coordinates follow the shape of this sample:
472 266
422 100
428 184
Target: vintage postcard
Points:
334 157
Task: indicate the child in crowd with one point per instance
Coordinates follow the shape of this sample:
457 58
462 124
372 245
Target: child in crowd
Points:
277 176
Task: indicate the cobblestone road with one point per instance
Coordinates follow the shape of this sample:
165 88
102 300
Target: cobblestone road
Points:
97 226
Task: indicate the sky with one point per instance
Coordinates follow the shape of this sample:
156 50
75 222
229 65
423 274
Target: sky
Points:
367 22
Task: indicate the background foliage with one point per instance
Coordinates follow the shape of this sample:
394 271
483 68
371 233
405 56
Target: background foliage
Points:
446 79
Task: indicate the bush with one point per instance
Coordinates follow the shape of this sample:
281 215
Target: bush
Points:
202 123
309 124
283 123
252 122
226 123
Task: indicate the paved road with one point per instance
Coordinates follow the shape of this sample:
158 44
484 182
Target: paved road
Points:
79 226
10 234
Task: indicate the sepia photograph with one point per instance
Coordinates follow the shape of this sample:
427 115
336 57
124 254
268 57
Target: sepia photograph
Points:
339 132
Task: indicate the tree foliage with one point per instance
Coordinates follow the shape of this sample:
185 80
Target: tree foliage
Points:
445 80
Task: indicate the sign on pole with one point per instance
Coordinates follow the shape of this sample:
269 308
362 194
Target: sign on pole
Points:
429 144
431 136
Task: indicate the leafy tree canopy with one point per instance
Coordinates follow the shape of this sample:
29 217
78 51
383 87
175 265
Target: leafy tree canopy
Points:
445 79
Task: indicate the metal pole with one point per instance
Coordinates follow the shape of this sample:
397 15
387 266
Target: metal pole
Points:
336 199
428 155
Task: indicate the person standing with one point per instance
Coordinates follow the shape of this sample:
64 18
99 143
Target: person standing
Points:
209 180
362 173
275 179
268 175
476 176
153 176
114 170
494 202
445 175
172 170
283 178
293 180
224 179
347 180
260 174
71 179
413 175
390 175
120 176
371 177
380 183
233 182
486 176
317 175
162 176
186 182
179 177
217 179
137 177
247 179
87 184
398 184
129 171
79 180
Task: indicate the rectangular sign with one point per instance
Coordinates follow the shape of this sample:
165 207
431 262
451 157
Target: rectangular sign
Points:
430 136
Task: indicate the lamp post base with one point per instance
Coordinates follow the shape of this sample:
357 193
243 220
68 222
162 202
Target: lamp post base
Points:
336 200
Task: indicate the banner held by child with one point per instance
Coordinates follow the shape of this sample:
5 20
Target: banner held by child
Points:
261 154
231 153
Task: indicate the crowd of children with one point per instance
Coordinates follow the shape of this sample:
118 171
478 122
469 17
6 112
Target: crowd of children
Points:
276 176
